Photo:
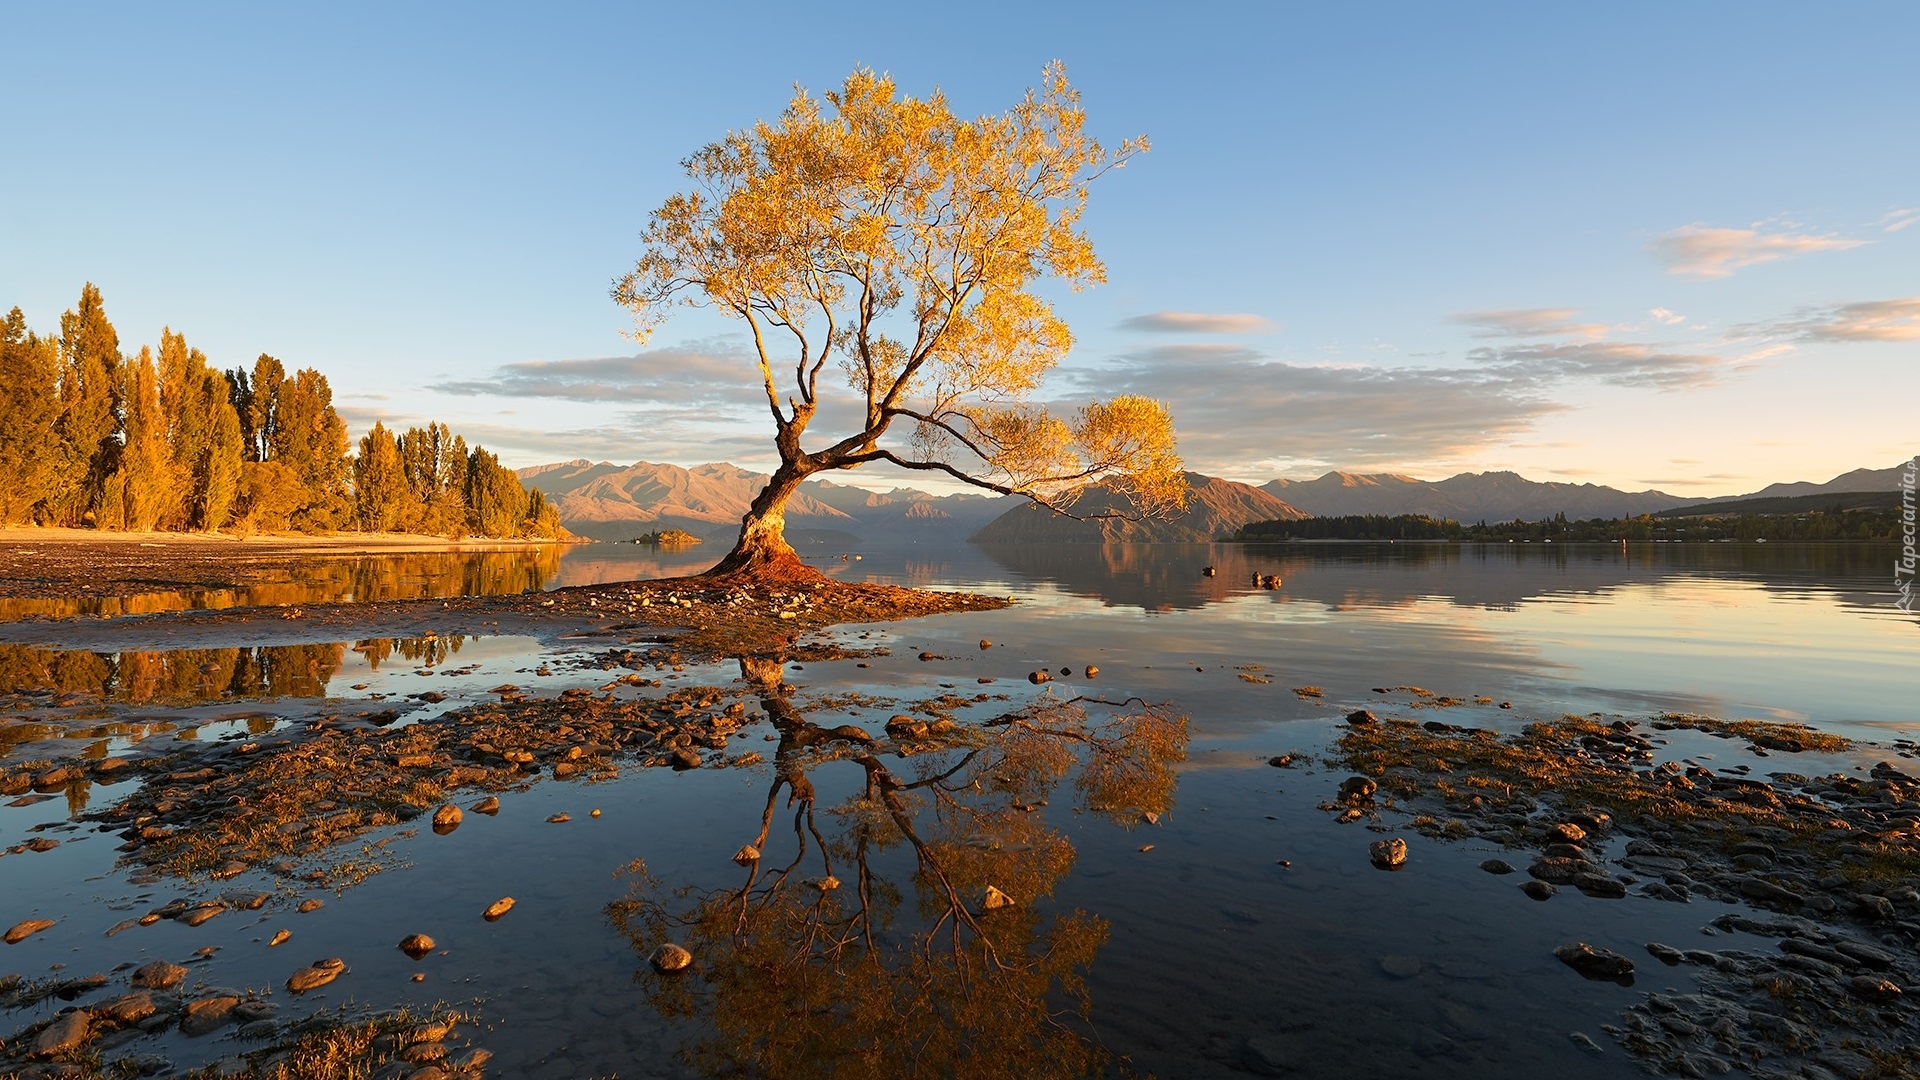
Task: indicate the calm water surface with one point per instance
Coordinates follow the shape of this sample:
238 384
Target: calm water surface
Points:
1251 934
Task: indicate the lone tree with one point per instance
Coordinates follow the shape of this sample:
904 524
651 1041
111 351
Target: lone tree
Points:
884 234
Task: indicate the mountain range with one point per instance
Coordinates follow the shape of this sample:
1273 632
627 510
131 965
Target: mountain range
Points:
604 501
1215 507
1468 497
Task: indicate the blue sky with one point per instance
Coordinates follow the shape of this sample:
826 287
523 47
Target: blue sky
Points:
1674 246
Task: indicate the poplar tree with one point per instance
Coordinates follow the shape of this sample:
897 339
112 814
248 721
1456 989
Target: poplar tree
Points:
29 413
204 439
89 409
382 497
143 481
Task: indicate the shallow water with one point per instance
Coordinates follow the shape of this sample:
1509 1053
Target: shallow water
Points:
1216 956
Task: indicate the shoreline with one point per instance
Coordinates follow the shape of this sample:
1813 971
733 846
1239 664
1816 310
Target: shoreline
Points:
17 536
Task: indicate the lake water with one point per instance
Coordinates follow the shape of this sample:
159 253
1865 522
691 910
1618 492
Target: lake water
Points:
1242 931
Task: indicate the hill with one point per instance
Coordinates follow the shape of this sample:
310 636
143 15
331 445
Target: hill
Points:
1468 497
1215 507
1859 480
1827 503
605 501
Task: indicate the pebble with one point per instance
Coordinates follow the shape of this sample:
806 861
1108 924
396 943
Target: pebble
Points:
208 1014
159 975
416 945
310 905
320 974
488 805
497 908
1539 890
1497 866
446 819
279 938
67 1033
1594 963
670 958
21 931
1388 854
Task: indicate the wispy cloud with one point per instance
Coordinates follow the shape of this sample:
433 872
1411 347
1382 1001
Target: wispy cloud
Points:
1528 322
1614 363
1235 407
677 376
1895 220
1667 318
1191 322
1707 252
1864 320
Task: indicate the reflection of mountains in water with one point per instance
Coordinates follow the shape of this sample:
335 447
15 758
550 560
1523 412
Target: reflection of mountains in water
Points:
1169 577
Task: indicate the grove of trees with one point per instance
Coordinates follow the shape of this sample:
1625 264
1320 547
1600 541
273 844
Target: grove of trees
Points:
92 437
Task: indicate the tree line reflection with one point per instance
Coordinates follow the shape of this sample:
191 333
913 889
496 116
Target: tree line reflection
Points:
320 579
186 676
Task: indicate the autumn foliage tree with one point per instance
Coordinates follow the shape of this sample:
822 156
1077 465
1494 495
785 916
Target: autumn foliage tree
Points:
888 238
90 437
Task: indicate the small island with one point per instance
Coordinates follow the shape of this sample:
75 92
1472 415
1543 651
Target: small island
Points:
669 538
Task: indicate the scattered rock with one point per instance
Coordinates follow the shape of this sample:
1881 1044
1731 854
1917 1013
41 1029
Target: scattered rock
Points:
208 1014
200 913
1600 885
670 958
1388 854
1357 789
320 974
488 805
1038 677
1567 833
446 819
21 931
1875 988
1092 672
1539 890
1361 718
1497 866
67 1033
993 898
747 855
497 908
129 1008
310 904
1585 1042
1666 954
416 945
159 975
1594 963
1281 761
560 819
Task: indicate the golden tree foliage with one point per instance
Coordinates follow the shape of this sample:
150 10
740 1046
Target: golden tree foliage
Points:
884 233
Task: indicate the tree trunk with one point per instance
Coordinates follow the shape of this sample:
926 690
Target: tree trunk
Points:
762 551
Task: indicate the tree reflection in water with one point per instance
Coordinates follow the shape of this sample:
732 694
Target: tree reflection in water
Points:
810 967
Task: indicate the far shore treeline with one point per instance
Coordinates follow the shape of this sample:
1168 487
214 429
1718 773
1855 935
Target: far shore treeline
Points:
92 437
1686 524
